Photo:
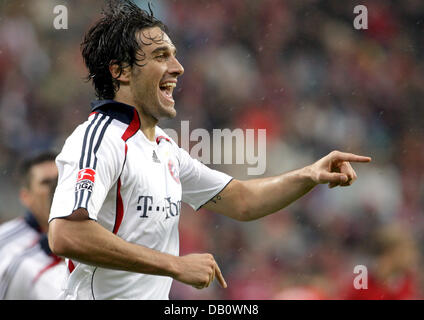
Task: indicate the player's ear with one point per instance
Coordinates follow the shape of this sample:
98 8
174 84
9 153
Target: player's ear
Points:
119 72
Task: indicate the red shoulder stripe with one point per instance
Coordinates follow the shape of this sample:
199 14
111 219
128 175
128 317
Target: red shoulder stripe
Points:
133 127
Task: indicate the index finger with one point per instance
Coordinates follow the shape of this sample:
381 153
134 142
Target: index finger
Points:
343 156
220 277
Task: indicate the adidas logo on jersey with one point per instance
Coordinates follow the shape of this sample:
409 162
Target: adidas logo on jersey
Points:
155 157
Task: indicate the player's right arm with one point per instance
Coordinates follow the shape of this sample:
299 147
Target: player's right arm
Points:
80 238
89 165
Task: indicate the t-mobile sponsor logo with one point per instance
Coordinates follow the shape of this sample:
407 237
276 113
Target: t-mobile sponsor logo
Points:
147 206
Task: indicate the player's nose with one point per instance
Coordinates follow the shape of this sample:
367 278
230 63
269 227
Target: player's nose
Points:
175 68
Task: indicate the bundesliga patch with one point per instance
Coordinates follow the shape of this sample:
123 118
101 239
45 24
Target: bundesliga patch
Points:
85 180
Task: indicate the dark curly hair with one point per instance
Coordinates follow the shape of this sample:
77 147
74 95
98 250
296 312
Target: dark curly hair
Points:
112 40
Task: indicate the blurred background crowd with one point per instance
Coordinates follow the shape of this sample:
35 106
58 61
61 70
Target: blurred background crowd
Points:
298 69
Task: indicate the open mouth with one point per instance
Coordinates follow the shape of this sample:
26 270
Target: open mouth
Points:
166 89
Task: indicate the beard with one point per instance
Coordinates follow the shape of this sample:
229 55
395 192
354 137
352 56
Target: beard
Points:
148 101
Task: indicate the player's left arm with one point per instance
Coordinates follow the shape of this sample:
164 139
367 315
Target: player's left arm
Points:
256 198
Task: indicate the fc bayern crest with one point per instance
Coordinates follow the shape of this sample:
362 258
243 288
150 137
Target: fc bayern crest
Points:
173 171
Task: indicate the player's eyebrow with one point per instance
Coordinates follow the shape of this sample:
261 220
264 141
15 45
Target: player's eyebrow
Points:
165 48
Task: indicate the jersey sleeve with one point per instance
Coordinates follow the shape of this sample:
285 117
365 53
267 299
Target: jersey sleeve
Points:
89 165
199 183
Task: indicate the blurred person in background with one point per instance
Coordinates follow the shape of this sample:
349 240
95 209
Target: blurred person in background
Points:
28 269
395 270
314 285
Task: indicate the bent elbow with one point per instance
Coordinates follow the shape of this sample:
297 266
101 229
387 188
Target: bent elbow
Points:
55 248
57 239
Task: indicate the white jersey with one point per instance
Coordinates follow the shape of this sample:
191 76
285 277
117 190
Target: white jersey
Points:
35 274
15 236
131 186
28 270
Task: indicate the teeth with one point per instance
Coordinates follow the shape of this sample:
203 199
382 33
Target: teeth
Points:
168 84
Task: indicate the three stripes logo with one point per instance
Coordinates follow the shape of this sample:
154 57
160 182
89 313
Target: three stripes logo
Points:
93 137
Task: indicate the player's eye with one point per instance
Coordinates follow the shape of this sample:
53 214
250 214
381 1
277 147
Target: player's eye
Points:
162 56
48 181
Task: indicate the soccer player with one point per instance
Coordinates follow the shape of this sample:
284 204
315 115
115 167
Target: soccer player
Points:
28 269
122 179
